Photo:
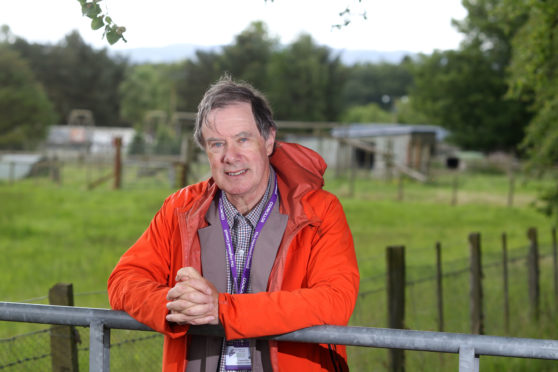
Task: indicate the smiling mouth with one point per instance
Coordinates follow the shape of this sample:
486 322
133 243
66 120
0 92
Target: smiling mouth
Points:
240 172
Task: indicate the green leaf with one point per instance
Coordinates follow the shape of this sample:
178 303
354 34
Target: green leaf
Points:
97 23
113 36
93 9
108 20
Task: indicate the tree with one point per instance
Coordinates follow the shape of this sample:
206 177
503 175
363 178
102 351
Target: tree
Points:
248 57
305 81
194 76
466 90
370 113
77 76
26 110
405 112
534 76
381 83
465 93
145 87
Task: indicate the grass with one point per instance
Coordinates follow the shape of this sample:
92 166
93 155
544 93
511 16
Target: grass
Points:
65 233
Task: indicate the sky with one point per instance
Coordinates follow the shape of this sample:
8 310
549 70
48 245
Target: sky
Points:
391 25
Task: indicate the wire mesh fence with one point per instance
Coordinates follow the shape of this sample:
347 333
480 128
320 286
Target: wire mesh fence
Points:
142 351
130 351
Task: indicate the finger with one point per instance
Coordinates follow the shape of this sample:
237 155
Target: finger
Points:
186 273
190 309
178 290
183 319
200 284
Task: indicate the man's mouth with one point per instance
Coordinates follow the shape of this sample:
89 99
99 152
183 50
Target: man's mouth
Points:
238 173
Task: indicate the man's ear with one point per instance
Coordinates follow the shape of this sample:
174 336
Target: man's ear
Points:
270 142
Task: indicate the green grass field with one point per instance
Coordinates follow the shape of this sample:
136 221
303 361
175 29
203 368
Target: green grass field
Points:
65 233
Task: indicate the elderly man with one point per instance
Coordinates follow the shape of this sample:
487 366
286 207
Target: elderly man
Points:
258 249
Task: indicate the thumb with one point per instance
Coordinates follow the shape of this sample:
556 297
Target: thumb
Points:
186 273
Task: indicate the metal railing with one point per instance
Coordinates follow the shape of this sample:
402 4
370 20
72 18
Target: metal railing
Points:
469 347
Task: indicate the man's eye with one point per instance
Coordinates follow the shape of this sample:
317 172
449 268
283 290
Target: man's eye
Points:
243 139
216 145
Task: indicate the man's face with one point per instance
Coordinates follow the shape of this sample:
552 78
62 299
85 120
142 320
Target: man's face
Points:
238 154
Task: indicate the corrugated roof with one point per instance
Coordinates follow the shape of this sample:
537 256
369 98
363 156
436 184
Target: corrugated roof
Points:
380 129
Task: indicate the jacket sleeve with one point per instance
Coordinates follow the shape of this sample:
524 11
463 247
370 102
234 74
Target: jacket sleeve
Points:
320 282
140 281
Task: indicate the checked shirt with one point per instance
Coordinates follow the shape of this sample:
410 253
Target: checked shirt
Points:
242 229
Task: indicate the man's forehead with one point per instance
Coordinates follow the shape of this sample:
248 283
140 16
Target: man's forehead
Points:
235 113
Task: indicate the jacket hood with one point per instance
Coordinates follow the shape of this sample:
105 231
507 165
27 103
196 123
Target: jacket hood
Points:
299 168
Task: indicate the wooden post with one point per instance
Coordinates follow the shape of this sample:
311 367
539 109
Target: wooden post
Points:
555 264
439 292
533 273
352 176
117 142
63 338
11 175
401 180
476 306
395 257
55 170
454 190
506 288
512 187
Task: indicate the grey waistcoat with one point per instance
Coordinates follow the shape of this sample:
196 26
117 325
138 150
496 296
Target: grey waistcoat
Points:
203 352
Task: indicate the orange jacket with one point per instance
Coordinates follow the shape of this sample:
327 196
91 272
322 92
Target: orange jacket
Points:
313 281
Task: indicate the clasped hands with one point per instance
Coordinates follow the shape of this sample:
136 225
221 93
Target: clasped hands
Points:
193 300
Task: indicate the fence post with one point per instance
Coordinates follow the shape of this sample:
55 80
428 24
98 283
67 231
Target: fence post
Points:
55 170
506 288
11 176
476 306
533 272
511 185
117 142
400 186
439 290
99 347
63 338
455 186
352 173
555 264
395 257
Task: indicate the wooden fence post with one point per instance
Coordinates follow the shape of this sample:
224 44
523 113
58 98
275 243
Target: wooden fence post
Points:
117 142
395 257
352 174
476 306
455 186
439 291
555 264
54 168
511 186
506 288
400 186
63 338
533 273
11 175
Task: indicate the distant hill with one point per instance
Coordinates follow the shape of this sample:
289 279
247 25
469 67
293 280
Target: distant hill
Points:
178 52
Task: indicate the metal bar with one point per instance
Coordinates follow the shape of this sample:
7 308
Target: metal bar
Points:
99 347
67 315
355 336
468 361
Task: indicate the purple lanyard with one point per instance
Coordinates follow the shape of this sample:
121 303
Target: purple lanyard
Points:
228 242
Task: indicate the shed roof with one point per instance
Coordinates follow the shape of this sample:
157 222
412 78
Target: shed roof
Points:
381 129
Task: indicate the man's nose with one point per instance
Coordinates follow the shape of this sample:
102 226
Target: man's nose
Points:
230 153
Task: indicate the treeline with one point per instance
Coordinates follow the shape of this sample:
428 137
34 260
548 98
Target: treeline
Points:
486 93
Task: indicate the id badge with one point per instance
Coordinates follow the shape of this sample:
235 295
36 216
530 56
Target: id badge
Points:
237 356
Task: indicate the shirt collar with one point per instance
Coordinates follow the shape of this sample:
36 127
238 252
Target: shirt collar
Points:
254 215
